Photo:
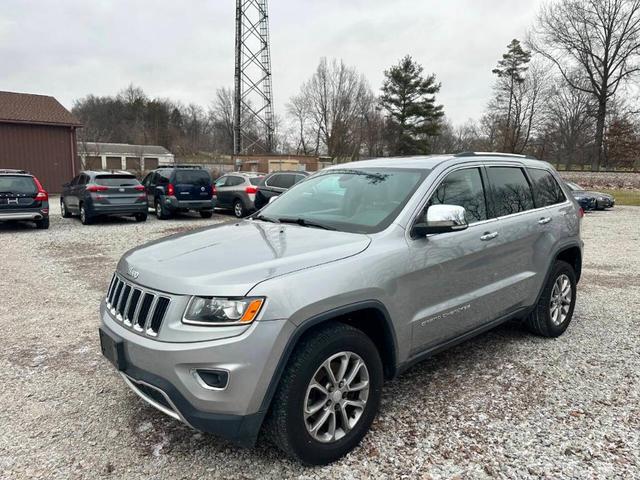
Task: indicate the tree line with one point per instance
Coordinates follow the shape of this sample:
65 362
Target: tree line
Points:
565 94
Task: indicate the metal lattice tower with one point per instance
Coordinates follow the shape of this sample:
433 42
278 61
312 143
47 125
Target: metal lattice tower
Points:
253 98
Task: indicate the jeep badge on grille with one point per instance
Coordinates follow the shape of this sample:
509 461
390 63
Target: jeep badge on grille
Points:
132 272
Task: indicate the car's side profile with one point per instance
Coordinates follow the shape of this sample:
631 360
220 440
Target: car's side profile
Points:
293 319
590 200
94 194
237 191
179 188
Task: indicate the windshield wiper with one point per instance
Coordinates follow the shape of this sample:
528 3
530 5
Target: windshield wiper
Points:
305 223
266 219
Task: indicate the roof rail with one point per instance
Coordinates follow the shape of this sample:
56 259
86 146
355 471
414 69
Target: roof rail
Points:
493 154
13 170
178 165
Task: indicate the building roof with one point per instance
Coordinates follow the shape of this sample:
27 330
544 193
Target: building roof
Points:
34 109
120 149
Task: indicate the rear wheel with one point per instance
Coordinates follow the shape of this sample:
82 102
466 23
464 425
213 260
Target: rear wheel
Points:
64 210
554 310
238 209
85 218
206 213
328 396
141 217
42 224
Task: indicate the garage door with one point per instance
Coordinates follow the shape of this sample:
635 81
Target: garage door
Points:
150 163
114 163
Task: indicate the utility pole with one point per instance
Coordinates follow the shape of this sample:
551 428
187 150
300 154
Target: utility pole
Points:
253 120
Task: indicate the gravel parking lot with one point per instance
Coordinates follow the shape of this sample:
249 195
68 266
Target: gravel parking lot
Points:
505 405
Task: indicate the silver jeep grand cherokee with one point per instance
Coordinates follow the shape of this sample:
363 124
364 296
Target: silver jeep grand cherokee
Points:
292 319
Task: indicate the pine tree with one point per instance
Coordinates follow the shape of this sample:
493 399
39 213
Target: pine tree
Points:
409 101
511 72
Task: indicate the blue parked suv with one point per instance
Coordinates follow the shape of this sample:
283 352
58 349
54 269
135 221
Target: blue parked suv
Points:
179 189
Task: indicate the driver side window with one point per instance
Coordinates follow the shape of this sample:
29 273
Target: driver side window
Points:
465 189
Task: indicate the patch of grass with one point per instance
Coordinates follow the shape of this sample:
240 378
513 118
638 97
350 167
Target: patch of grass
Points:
624 197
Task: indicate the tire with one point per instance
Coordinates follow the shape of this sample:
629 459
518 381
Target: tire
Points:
85 218
141 217
286 424
238 209
160 211
206 213
542 321
42 224
64 210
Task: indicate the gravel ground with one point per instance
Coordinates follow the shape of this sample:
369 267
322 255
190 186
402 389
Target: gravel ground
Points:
505 405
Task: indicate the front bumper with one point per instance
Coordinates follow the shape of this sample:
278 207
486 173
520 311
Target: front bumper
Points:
162 373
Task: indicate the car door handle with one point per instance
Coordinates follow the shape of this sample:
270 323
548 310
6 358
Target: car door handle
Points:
488 236
544 220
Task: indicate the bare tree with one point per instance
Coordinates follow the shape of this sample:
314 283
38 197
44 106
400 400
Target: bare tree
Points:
598 39
338 98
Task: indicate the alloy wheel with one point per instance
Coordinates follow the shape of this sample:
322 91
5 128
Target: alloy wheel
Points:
560 300
336 397
237 209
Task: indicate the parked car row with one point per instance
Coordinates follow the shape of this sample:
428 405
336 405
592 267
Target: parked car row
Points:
167 190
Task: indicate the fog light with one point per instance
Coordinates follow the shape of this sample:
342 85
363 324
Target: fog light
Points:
212 379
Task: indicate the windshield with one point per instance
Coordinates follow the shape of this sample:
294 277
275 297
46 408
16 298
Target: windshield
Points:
17 184
116 180
354 200
193 177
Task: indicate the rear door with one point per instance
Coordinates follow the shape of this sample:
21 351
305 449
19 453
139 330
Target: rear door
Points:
120 189
17 192
518 234
192 184
226 192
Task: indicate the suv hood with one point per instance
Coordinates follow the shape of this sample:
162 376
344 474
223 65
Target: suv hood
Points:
230 259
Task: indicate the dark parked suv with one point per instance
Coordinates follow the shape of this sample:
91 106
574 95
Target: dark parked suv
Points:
23 198
275 184
93 194
179 189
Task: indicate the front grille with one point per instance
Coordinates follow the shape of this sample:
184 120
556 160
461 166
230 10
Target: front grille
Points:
136 308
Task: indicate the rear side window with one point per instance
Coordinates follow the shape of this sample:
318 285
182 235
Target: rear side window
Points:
463 188
18 184
233 181
255 180
512 193
280 180
116 180
546 190
193 177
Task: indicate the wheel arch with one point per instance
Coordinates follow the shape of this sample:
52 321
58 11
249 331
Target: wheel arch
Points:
371 317
571 254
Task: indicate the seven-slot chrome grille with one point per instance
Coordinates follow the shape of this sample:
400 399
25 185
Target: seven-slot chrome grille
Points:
136 308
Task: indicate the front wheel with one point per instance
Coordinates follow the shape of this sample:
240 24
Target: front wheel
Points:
554 310
328 395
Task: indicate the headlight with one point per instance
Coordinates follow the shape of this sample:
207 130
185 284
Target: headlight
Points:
222 311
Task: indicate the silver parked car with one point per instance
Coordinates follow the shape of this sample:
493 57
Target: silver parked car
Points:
237 191
293 319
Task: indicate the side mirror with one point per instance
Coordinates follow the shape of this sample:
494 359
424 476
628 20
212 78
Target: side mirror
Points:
441 219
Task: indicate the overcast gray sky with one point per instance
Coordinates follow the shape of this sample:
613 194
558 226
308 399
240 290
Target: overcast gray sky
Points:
183 50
